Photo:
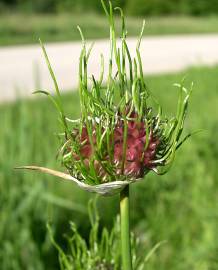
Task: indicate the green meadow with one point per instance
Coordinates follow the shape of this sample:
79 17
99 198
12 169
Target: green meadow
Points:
24 28
180 207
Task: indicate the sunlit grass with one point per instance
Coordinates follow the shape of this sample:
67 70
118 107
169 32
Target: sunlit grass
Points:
27 28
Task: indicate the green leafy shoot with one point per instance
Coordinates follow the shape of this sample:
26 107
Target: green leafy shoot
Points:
101 250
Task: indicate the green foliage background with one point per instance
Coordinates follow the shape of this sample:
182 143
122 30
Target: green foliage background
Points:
135 7
180 207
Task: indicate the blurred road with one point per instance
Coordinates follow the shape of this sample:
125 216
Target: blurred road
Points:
23 69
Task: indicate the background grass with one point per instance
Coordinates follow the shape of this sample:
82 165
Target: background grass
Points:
137 7
180 207
27 28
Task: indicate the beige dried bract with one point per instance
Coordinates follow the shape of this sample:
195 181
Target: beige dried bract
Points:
106 189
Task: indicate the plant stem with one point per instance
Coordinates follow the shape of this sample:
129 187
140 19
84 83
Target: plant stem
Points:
125 231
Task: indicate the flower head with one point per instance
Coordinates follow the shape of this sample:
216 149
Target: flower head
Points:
121 134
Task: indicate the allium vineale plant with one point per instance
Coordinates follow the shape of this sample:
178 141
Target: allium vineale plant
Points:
102 250
122 133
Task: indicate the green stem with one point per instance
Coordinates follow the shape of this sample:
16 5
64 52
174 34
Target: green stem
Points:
125 231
